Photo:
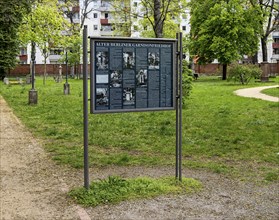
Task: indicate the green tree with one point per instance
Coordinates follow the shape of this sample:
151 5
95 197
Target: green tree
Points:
85 10
123 17
160 18
154 18
72 40
43 26
12 13
224 30
72 45
269 23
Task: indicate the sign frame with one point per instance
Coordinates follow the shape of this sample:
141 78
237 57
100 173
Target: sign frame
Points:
122 42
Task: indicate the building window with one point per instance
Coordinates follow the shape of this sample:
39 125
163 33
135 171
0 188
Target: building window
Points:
76 16
184 28
135 4
23 51
95 27
95 15
106 15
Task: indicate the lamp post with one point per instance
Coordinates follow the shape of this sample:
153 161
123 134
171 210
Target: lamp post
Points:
33 94
66 85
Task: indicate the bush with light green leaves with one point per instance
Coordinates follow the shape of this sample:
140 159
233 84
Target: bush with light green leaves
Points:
243 73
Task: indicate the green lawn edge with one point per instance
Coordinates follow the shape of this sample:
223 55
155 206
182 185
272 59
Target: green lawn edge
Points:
272 91
115 189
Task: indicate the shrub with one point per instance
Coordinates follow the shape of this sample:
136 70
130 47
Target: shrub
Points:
187 78
243 73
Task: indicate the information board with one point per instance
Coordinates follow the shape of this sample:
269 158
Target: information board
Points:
129 74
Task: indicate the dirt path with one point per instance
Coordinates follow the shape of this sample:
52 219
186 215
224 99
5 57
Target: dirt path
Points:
256 93
33 187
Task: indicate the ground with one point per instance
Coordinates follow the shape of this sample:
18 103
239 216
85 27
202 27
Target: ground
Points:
34 187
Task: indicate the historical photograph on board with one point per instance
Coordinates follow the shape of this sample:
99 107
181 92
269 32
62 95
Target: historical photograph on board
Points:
102 60
128 60
101 96
116 79
102 79
141 77
153 60
128 96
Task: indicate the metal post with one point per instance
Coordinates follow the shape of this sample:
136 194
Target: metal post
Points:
33 94
66 85
33 57
85 108
66 67
177 113
180 105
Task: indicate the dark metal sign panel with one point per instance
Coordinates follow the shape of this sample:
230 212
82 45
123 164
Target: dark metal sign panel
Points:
129 74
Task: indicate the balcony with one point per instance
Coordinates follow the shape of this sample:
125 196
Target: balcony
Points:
104 21
275 45
75 9
23 57
105 7
275 57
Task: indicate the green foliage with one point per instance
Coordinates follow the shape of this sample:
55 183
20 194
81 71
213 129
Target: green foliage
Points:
161 21
123 17
115 189
43 26
187 78
72 44
243 73
11 12
222 30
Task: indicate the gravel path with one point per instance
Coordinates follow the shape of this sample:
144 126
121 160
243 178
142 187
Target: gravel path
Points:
256 93
34 187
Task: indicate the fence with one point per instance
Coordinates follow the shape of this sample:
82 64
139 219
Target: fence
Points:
53 69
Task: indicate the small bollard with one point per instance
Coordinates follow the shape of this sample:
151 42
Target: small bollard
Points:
33 97
66 89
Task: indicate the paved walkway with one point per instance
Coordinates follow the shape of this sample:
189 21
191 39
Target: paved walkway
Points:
256 93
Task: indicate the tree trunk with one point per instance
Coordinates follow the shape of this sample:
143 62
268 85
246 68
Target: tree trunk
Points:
44 81
255 58
264 48
158 23
224 77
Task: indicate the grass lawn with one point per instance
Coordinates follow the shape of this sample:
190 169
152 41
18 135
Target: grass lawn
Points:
272 91
115 189
221 132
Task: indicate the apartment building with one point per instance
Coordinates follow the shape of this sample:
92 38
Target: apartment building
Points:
101 18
